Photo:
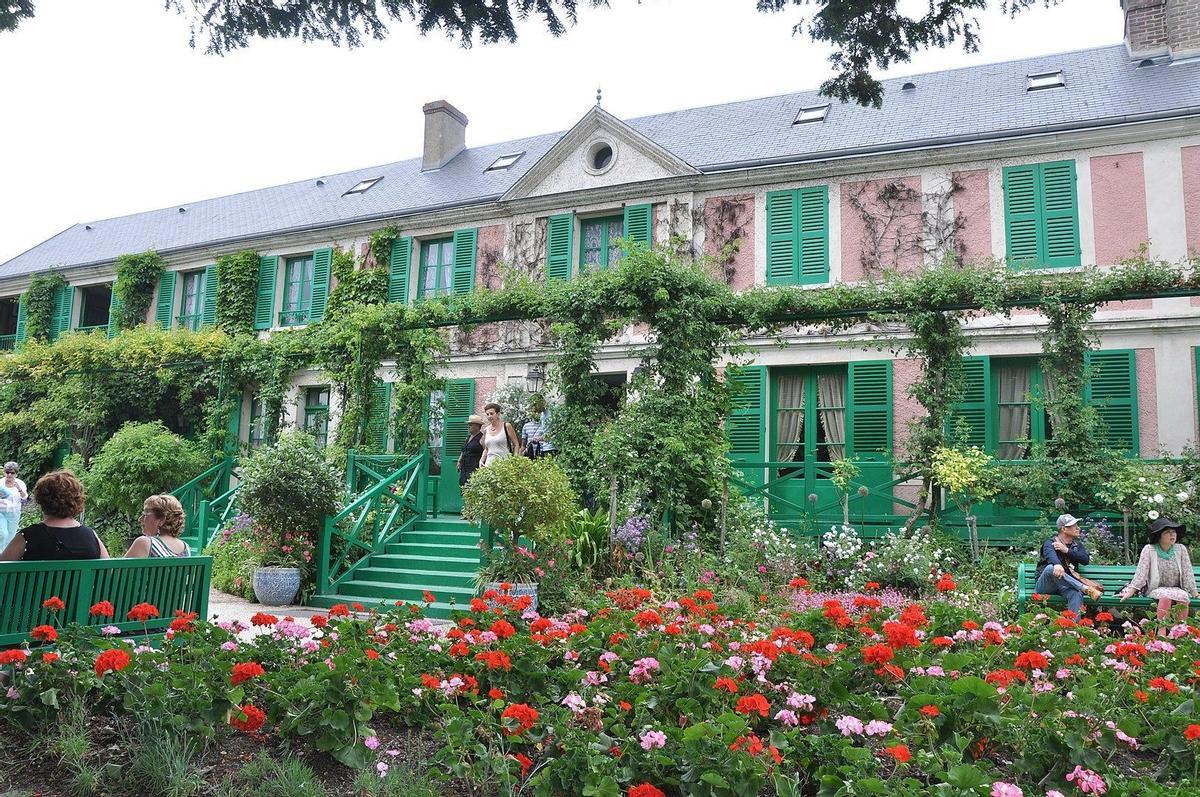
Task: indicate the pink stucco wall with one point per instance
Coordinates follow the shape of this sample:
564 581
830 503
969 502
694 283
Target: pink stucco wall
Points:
974 204
1118 206
904 407
485 386
489 249
738 222
907 228
1147 390
1191 197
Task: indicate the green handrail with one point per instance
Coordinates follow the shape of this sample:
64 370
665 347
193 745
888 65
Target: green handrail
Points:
214 514
205 487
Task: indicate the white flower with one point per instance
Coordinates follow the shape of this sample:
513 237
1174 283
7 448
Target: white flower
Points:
1181 497
1152 515
1158 499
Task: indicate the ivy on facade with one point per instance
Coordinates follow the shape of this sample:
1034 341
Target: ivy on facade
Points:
133 289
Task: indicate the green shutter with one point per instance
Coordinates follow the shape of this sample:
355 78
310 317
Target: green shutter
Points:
166 300
558 246
869 421
782 250
1021 223
64 303
459 404
377 421
399 265
114 312
638 224
1060 214
970 421
464 261
208 313
322 263
813 225
264 305
20 319
233 426
1112 391
746 426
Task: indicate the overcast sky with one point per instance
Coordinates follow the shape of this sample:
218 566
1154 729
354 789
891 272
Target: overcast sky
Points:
105 110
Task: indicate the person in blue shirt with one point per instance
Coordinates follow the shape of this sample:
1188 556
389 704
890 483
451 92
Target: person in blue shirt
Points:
1057 575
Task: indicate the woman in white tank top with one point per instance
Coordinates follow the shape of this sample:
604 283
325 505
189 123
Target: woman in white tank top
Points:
499 436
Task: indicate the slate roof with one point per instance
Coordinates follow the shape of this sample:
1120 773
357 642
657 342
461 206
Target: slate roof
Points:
978 102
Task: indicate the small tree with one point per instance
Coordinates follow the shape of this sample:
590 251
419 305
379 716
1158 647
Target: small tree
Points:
963 472
522 497
289 486
140 460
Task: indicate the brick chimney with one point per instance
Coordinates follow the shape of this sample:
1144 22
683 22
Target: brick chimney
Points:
445 134
1162 27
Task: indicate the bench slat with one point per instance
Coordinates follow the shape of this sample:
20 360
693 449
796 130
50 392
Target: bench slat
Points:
1113 577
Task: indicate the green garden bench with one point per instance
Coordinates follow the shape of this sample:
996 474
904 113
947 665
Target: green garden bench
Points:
169 584
1113 577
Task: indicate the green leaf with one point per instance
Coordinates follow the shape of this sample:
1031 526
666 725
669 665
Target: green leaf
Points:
715 779
49 698
965 776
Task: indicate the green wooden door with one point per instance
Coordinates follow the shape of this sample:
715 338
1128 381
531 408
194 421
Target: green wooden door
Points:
807 432
457 407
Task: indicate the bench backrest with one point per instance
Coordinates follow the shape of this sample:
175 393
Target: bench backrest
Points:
169 584
1113 577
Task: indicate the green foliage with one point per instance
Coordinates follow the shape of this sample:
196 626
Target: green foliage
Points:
530 498
236 554
356 286
39 305
139 460
964 473
264 776
289 486
163 762
237 290
137 278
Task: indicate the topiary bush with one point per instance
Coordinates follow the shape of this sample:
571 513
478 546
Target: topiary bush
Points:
289 486
140 460
528 498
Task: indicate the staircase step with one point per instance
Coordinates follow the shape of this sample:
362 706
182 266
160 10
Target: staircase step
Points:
409 548
445 564
441 538
446 524
440 610
409 576
403 592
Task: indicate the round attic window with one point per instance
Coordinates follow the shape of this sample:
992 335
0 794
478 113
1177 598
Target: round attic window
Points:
600 157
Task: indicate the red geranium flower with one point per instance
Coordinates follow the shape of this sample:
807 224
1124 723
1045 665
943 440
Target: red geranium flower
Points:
44 633
53 604
372 653
428 597
1104 617
1031 660
525 761
319 621
15 656
503 629
248 719
262 618
524 715
942 642
246 671
728 684
113 660
50 658
102 609
183 621
946 583
143 612
495 693
931 711
900 635
753 704
647 618
1192 733
877 654
872 585
495 660
899 752
1160 683
645 790
339 610
358 607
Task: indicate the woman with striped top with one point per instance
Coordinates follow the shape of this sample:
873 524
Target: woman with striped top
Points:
162 523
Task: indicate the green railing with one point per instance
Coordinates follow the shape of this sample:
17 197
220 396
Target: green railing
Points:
212 515
203 491
190 321
8 342
378 516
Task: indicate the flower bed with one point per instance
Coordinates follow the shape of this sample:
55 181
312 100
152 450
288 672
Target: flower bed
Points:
641 695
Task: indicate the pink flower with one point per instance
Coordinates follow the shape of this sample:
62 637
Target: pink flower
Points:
788 717
653 739
1087 781
382 768
372 742
1002 789
878 728
849 726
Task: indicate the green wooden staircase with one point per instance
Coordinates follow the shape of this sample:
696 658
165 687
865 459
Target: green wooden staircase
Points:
440 556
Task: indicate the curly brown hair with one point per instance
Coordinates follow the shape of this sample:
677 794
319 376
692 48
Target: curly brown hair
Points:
168 511
59 494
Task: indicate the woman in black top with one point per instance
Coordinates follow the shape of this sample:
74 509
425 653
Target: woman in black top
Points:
472 450
59 535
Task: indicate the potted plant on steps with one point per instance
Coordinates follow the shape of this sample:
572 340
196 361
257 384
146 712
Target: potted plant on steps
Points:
524 501
287 488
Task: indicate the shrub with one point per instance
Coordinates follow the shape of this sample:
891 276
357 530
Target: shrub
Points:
140 460
236 554
528 498
289 486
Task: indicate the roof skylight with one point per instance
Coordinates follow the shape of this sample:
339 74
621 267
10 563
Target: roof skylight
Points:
1045 80
814 113
363 186
504 161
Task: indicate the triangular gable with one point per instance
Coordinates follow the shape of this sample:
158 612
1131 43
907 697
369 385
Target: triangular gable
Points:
564 167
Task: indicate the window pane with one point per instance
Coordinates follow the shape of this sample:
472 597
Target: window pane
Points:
1013 382
615 230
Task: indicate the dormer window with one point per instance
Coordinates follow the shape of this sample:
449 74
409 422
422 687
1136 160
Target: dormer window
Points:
504 162
363 186
1045 80
814 113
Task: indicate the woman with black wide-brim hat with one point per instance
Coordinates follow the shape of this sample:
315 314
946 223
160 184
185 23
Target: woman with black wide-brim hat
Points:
1164 570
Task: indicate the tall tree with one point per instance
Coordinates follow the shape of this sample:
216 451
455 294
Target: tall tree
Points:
866 34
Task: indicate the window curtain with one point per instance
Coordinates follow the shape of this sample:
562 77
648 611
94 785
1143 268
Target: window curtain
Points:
789 420
1014 417
831 399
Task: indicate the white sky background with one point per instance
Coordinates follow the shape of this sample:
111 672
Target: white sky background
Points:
105 110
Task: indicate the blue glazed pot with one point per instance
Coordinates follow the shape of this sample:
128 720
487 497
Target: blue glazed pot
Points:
276 586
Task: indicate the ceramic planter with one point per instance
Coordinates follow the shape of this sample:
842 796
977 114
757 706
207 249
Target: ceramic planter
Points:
276 586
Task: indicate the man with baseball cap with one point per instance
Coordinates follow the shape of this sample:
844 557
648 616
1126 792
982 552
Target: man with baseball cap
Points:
1061 554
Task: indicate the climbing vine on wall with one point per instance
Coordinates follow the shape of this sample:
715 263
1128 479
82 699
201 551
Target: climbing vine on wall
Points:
237 292
39 305
137 278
